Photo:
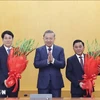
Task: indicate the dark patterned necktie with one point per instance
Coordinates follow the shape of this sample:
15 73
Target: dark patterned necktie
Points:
81 61
49 49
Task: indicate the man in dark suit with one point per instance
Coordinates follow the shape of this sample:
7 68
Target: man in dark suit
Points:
49 59
5 91
74 69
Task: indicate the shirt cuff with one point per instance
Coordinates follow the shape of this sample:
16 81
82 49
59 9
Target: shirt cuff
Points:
48 62
53 61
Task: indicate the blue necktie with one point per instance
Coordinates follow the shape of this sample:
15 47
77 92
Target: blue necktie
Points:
8 50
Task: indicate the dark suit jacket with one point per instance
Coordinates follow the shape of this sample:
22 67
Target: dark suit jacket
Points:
4 69
74 73
47 71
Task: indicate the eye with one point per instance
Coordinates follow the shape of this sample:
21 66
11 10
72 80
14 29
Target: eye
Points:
10 37
80 46
75 47
46 38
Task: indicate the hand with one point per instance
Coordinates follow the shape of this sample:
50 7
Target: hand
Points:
50 57
6 84
81 84
9 82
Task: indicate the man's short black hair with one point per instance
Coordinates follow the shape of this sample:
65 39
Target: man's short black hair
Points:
48 31
77 41
7 32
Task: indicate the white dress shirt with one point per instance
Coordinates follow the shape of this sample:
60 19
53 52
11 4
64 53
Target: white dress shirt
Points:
48 48
7 49
78 56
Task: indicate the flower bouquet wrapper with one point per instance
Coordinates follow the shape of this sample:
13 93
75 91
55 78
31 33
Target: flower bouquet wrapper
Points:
91 63
91 71
17 63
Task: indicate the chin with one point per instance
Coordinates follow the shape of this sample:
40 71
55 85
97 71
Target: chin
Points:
79 53
49 45
8 45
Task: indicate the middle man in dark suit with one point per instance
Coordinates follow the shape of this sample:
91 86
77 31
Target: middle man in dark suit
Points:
49 59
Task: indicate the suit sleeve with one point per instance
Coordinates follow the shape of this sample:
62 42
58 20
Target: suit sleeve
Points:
38 63
61 62
2 78
69 73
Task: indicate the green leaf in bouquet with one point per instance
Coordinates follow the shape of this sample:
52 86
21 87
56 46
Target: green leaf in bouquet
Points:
25 46
93 48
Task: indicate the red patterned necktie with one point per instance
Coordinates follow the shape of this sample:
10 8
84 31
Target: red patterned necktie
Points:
81 61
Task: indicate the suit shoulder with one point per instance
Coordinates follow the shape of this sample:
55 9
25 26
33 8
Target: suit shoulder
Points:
1 48
59 47
71 57
39 48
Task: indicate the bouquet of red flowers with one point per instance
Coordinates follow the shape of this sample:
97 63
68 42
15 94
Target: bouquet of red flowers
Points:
91 64
17 62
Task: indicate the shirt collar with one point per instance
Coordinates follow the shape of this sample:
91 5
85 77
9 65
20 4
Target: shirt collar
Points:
79 55
50 47
7 47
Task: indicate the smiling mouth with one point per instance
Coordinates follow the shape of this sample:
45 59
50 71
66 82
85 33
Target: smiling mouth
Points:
8 43
49 43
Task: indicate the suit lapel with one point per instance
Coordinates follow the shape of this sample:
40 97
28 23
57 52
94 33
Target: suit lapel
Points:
54 52
45 55
4 51
77 62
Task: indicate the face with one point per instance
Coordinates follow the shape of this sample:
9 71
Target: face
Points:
7 40
78 48
49 39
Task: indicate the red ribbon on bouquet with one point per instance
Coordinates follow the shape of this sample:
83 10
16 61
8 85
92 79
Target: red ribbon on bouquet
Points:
13 79
88 83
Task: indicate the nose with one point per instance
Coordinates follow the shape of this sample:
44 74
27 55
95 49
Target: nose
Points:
48 40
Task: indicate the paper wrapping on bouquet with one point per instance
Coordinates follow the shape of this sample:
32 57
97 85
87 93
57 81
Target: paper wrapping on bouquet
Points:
16 65
98 62
91 71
